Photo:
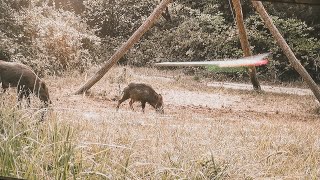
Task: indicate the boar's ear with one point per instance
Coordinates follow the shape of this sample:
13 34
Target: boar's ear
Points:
160 96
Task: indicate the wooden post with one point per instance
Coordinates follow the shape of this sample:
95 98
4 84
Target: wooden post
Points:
245 43
126 46
286 49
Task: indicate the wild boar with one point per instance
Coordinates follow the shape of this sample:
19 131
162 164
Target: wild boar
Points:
143 93
18 75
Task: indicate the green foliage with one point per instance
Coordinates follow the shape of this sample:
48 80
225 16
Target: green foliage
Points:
116 17
58 38
297 35
9 30
303 12
199 37
50 40
202 36
217 69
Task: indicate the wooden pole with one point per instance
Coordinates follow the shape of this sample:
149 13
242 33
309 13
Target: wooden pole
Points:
245 43
126 46
286 49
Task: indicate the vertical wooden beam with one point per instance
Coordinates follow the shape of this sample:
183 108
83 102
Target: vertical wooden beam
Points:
126 46
245 43
286 49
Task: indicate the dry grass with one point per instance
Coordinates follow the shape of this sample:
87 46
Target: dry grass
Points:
205 133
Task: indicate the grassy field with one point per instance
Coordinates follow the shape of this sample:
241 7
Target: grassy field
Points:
205 133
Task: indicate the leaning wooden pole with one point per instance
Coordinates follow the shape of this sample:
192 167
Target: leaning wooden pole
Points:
126 46
245 43
286 49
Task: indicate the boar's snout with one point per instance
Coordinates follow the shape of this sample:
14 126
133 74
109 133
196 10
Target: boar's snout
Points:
159 105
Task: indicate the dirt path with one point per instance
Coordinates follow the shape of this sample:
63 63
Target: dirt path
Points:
183 94
273 89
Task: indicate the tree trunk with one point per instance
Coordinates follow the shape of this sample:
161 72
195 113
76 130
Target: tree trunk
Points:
245 43
285 47
126 46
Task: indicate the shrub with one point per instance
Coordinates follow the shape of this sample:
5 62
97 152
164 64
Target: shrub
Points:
58 38
52 40
9 30
199 37
297 35
203 36
116 18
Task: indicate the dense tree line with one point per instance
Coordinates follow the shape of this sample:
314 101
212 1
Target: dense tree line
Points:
56 35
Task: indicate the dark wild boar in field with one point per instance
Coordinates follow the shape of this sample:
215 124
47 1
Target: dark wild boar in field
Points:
21 76
143 93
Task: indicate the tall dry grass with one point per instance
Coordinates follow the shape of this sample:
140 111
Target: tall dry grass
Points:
81 144
84 137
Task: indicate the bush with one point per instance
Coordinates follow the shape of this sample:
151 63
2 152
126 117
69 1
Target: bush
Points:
116 18
297 35
58 38
52 40
9 30
199 37
203 36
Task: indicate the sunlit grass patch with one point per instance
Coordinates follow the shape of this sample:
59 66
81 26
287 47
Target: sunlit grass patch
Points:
32 149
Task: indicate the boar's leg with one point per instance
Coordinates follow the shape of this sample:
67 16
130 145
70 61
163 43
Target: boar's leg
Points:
23 92
45 110
20 93
20 97
5 86
27 95
119 102
130 103
143 105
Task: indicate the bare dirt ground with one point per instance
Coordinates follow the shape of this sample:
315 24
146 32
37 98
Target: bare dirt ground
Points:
272 134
